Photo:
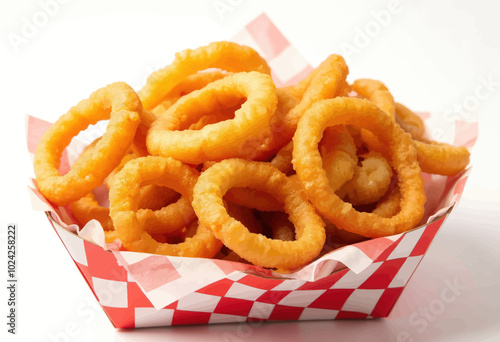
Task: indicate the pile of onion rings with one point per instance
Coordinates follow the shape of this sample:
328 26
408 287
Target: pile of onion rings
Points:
211 160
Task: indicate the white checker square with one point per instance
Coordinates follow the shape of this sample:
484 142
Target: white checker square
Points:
352 280
190 268
199 302
235 276
150 317
406 245
223 318
405 271
261 310
362 301
393 238
134 257
301 298
314 314
289 285
74 244
161 298
189 282
110 292
243 291
352 257
130 278
245 38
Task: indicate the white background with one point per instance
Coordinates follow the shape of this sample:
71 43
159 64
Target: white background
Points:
432 55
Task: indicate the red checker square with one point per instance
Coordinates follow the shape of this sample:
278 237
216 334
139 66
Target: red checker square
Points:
122 318
103 264
84 271
190 317
270 40
154 271
137 298
172 305
272 297
382 277
259 282
385 254
332 299
218 288
426 238
386 302
450 182
350 315
88 278
234 306
373 248
459 187
324 283
285 313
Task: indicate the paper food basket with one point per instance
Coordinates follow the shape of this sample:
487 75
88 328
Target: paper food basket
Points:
359 281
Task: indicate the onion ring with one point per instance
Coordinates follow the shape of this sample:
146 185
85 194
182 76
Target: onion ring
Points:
270 143
122 196
224 55
139 147
157 214
308 165
87 208
376 92
190 83
151 196
441 158
116 102
434 157
284 255
249 198
283 159
410 122
390 204
221 140
326 81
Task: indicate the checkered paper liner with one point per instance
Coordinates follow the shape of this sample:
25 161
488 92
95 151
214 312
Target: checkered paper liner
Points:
143 290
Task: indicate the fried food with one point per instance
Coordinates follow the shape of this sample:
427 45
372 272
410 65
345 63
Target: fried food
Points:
225 139
206 168
122 198
256 248
227 56
308 165
117 103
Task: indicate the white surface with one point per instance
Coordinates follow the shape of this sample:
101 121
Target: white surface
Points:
433 56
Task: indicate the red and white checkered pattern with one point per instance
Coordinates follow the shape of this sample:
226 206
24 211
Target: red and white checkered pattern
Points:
241 297
358 281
